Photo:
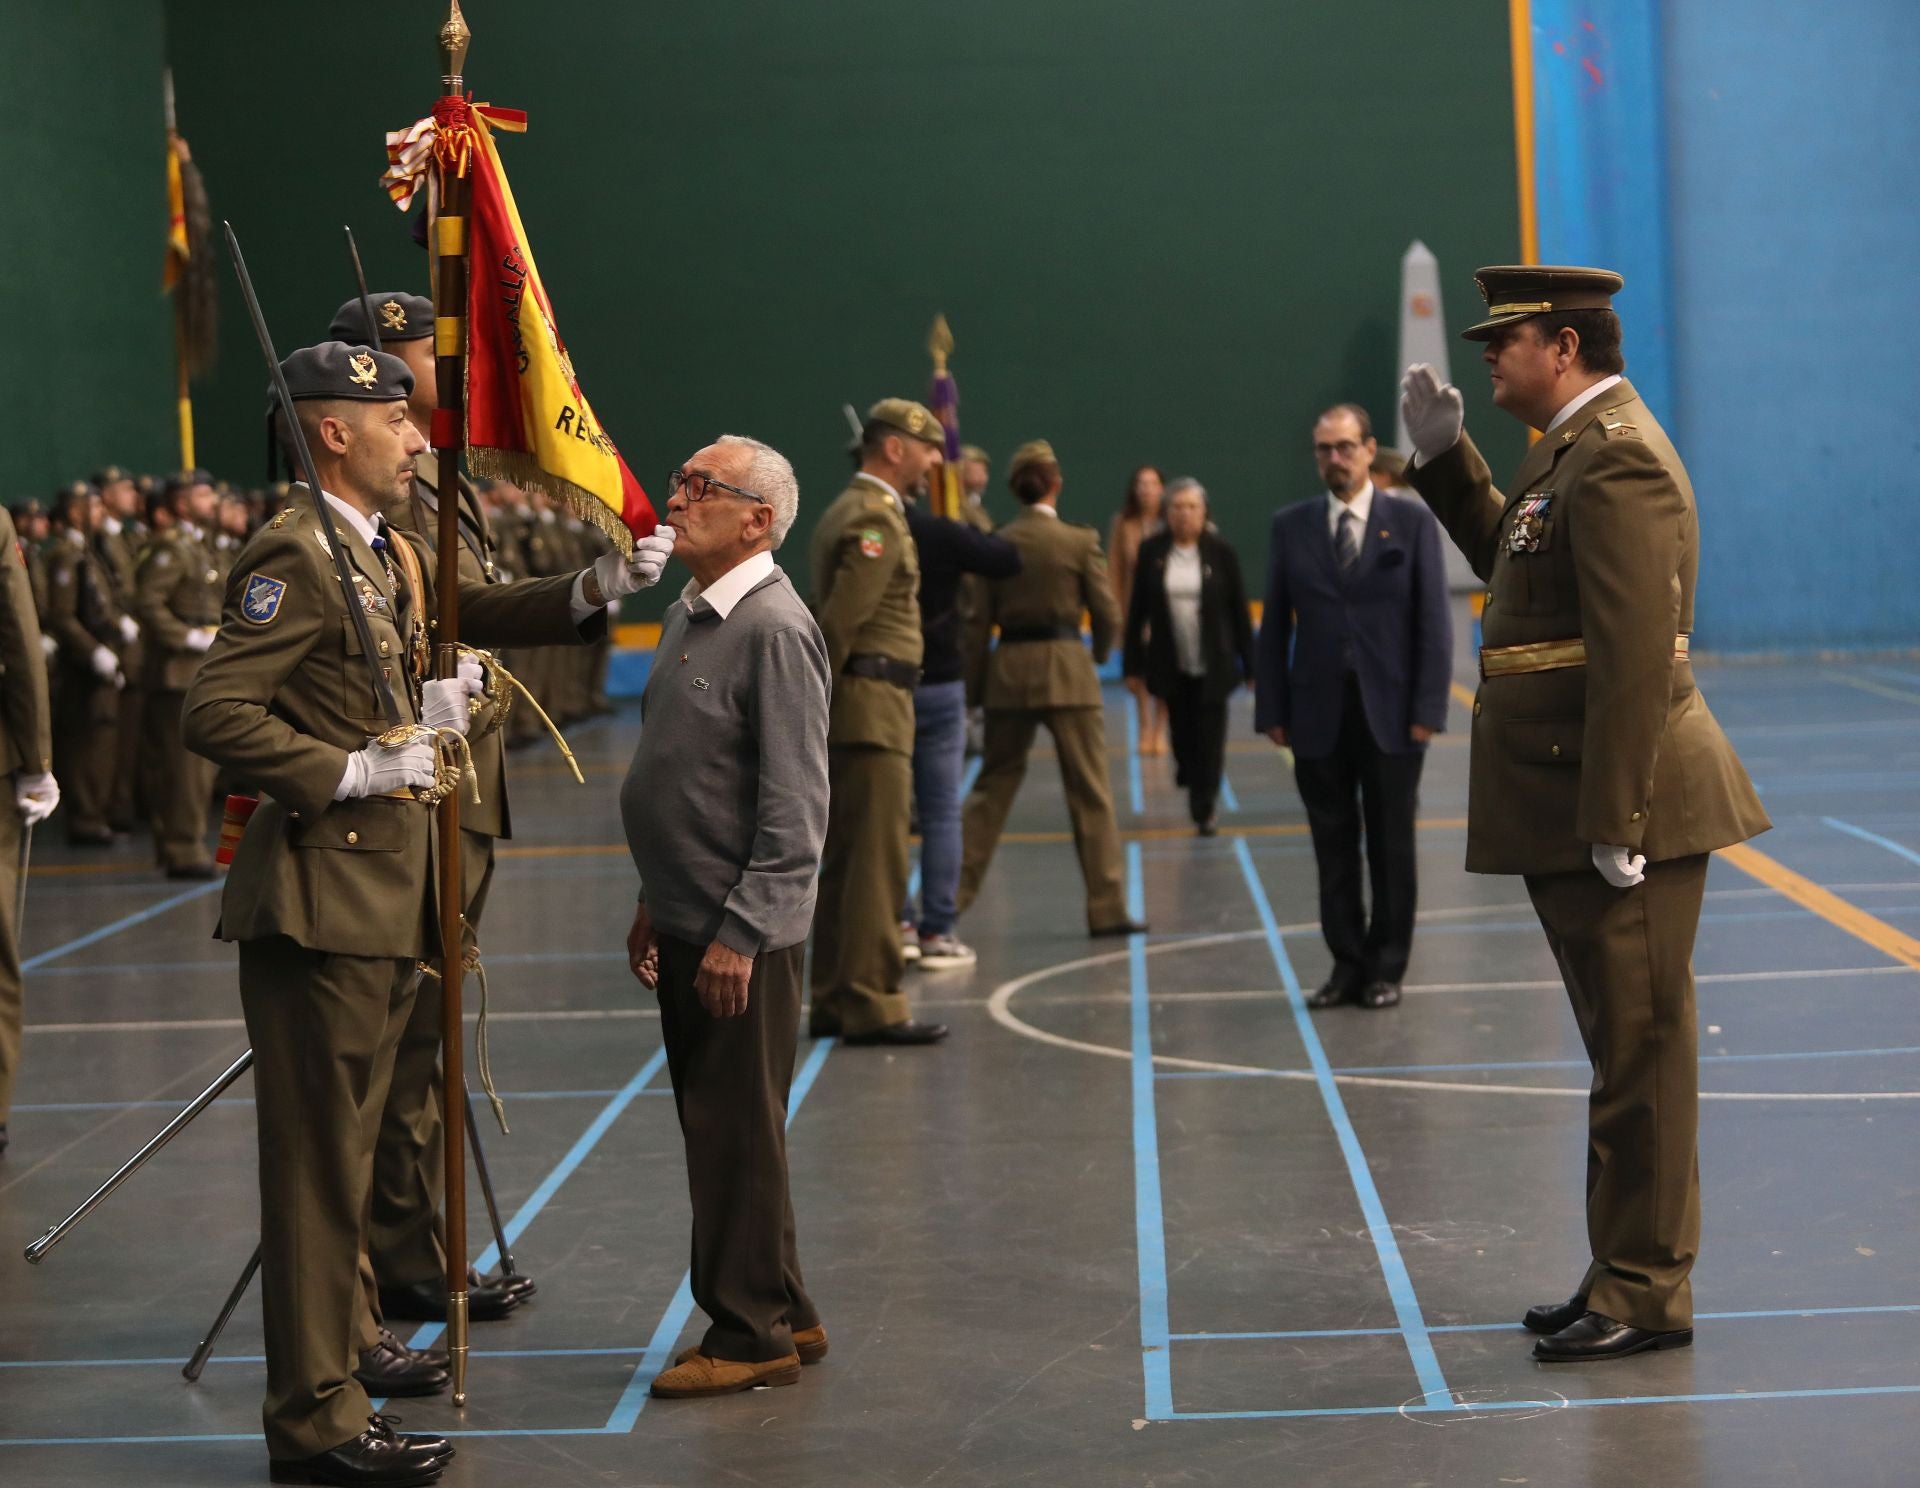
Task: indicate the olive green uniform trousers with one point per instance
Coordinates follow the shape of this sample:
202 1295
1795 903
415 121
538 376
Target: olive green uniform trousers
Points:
12 986
857 961
179 785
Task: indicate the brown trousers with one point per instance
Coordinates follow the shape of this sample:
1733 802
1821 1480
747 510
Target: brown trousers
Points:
179 785
12 984
1626 956
324 1029
1080 739
857 962
86 722
730 1082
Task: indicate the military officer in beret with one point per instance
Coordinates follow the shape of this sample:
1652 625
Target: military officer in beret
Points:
1597 772
407 1253
84 617
1040 673
330 896
177 589
120 536
28 791
866 588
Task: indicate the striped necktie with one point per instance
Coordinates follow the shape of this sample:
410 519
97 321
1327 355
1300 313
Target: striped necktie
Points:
1347 543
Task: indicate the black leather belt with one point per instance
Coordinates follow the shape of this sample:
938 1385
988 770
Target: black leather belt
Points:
883 669
1012 634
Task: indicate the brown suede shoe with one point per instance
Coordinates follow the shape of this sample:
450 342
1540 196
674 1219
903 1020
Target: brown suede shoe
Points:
701 1376
809 1343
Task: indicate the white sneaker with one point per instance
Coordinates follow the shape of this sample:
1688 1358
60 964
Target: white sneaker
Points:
938 952
909 941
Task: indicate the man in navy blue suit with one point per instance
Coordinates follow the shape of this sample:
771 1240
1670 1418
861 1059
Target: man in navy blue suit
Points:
1356 653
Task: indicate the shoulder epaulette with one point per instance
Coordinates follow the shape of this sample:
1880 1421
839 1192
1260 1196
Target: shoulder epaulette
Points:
280 521
1612 426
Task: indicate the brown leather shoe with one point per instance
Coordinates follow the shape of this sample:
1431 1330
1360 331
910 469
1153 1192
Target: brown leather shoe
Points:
702 1375
810 1344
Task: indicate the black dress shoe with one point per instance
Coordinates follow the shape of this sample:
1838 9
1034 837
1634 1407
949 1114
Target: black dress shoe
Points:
1380 994
1551 1317
90 837
377 1458
516 1285
191 870
897 1035
390 1369
434 1356
3 1141
1208 828
1337 989
1125 927
1596 1336
426 1302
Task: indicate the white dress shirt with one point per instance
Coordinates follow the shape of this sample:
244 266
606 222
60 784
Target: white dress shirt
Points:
1361 506
730 588
1581 402
1183 580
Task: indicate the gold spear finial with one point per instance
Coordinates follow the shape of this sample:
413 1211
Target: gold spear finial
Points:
455 37
940 343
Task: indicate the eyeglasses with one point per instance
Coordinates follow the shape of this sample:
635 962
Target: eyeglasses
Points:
1345 448
699 486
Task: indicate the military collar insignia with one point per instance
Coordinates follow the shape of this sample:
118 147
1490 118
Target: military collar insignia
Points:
261 602
362 369
393 316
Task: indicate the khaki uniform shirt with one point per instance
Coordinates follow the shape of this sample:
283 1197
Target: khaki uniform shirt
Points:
1062 574
176 588
866 597
82 609
1597 542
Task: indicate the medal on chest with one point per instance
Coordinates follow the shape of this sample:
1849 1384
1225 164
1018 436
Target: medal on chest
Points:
1529 524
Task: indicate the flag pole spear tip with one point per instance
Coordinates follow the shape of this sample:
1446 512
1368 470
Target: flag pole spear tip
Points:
455 36
166 96
940 343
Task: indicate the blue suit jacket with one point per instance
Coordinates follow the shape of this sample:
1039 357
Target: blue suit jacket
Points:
1388 620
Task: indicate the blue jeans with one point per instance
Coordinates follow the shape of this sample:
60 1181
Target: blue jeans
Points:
939 754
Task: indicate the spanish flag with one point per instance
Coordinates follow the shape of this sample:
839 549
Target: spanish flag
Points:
527 419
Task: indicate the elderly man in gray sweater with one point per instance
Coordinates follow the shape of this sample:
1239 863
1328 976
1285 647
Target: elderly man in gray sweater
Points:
725 809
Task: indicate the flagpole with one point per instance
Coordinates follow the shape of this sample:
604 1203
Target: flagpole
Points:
449 231
183 394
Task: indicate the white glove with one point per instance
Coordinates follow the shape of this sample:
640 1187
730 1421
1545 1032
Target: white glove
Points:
199 637
1432 410
49 645
129 629
380 768
107 665
1619 867
36 796
619 577
445 703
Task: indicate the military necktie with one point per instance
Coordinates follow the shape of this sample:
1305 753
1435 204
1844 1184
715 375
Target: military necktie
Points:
1347 545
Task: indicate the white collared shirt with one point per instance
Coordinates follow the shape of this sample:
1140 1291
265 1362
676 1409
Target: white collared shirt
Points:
1581 402
1045 506
1361 506
357 519
1185 577
731 587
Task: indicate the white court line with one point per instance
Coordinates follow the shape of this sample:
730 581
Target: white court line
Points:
999 1005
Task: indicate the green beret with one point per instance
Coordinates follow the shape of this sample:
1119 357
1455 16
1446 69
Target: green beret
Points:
1514 292
401 317
334 369
1033 452
910 418
974 452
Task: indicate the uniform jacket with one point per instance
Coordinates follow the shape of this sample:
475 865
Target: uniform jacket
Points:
1062 575
1622 750
26 739
283 697
1386 621
866 598
177 587
1226 626
82 612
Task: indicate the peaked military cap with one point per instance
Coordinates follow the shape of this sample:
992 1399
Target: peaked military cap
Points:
334 369
400 317
1515 291
909 417
1033 452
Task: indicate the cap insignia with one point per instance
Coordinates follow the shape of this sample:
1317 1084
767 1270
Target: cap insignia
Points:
393 316
361 370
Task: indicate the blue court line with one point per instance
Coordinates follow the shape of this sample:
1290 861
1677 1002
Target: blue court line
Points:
659 1352
1704 1317
1393 1266
1875 838
1558 1403
1511 1064
1227 798
1136 794
127 922
1149 1214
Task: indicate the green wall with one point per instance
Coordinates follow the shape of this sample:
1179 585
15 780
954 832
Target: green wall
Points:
1163 232
86 369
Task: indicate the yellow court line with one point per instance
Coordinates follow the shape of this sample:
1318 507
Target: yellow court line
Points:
1825 903
1878 689
1461 695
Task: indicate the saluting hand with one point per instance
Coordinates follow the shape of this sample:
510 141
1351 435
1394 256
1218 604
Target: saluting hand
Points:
722 981
643 948
1433 412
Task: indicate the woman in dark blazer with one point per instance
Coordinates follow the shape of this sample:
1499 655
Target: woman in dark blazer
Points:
1190 636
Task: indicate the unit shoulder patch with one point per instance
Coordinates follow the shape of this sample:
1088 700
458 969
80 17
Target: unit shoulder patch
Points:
873 542
261 602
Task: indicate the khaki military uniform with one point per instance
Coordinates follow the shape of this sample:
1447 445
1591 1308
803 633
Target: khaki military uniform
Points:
866 588
120 553
1588 729
1040 674
549 553
83 614
177 589
332 904
26 747
973 606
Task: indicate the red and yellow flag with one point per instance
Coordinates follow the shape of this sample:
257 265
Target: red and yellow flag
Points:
527 419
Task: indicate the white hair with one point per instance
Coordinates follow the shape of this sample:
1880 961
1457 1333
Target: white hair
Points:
769 475
1185 483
